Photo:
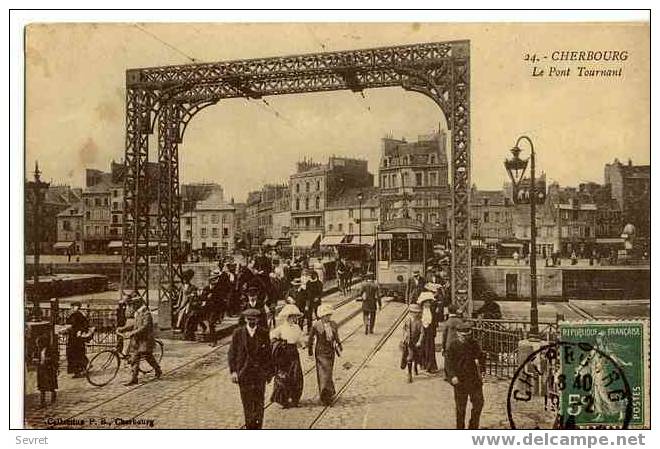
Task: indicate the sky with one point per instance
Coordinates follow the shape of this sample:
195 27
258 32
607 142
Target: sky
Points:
75 99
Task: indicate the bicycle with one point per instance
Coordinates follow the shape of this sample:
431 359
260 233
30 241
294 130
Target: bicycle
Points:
104 366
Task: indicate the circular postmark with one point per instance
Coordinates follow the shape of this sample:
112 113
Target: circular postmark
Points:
569 385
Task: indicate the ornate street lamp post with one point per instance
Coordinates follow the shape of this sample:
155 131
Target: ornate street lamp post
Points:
37 187
516 167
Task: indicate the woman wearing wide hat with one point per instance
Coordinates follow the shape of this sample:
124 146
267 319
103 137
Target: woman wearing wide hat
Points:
325 332
429 330
285 339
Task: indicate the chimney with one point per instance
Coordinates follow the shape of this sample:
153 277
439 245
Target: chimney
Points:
629 162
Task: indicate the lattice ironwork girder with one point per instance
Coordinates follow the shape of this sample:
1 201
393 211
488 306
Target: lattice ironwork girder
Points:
414 55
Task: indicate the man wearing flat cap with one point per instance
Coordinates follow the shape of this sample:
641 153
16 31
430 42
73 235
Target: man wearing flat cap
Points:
142 341
464 365
253 300
251 366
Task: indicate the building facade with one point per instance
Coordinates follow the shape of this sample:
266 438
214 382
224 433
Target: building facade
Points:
631 188
314 185
342 214
210 227
413 179
492 216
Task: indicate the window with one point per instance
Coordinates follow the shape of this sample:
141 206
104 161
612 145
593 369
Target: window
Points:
188 234
418 179
340 227
350 213
115 205
106 202
400 250
307 187
89 230
306 203
225 232
385 181
318 185
385 162
97 230
114 193
486 217
318 202
406 179
433 178
433 218
66 225
187 221
204 218
97 201
297 203
225 218
105 230
215 244
88 215
350 228
330 227
384 250
419 217
215 232
87 202
214 219
297 188
115 219
203 232
432 159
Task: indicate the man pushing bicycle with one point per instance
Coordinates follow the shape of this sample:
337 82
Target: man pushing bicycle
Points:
141 334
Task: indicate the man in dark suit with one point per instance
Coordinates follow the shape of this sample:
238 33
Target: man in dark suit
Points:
464 365
370 302
415 287
251 366
141 333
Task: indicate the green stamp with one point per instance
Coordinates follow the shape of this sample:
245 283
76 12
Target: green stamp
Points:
605 382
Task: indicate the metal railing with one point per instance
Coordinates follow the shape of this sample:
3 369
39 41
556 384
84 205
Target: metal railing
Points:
103 318
499 340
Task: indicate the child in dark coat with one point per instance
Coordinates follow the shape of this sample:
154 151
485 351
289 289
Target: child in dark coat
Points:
46 369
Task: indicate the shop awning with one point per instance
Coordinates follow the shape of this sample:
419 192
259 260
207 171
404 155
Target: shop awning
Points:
305 239
62 245
332 240
115 244
511 245
365 240
611 241
270 242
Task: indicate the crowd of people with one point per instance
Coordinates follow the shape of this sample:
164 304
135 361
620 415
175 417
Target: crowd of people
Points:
266 345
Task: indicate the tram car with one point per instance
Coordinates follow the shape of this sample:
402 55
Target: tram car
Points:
403 246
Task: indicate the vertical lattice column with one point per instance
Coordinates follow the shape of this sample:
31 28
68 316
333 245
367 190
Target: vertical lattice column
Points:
135 227
169 228
460 160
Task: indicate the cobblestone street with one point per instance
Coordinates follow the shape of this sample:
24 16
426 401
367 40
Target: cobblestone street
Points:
192 371
196 391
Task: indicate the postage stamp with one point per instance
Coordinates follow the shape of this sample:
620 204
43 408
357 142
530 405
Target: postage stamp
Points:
613 351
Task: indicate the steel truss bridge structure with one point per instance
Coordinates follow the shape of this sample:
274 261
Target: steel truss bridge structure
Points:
169 97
